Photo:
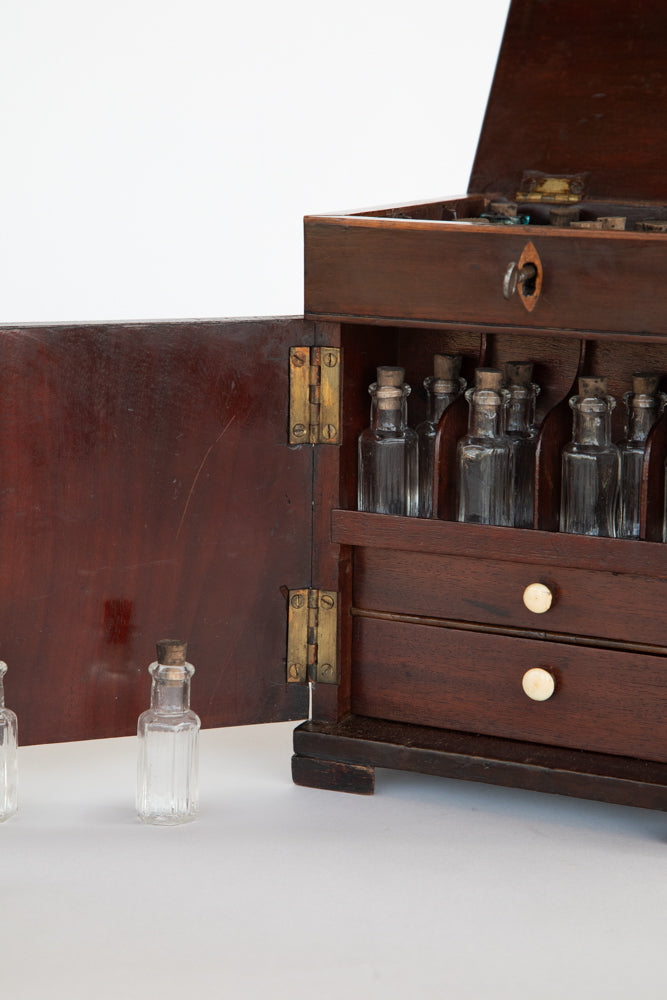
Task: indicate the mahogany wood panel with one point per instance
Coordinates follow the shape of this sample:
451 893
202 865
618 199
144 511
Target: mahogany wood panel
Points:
480 542
333 775
148 491
579 87
393 269
378 743
606 701
488 591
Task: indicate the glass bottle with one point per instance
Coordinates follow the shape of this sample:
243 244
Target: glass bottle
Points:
590 464
387 450
8 755
522 434
442 388
644 405
168 733
484 455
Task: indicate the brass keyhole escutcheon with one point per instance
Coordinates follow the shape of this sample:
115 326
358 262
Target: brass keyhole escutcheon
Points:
524 277
538 684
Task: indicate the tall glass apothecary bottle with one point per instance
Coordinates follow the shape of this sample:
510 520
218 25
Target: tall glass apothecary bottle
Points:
387 450
167 772
442 388
644 405
8 755
484 454
590 464
522 434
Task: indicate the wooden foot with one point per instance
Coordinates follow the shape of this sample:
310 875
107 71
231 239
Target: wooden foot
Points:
333 775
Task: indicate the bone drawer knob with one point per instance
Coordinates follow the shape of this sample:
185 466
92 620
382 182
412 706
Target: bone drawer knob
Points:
538 598
538 684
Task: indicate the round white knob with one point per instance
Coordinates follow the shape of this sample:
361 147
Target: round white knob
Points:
538 684
538 598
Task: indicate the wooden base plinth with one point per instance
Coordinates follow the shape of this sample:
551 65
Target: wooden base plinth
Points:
342 756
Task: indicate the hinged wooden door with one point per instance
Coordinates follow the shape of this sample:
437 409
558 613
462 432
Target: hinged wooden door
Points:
148 491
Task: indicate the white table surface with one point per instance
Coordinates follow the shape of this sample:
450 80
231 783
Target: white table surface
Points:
429 888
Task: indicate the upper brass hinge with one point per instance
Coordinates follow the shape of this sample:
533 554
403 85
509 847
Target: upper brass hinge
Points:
560 189
312 631
314 398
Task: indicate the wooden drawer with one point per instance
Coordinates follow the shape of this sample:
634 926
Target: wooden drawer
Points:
606 701
433 272
598 604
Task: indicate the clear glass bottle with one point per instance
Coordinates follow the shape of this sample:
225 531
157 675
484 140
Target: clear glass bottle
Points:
484 455
522 434
167 773
387 450
442 388
8 755
590 464
644 405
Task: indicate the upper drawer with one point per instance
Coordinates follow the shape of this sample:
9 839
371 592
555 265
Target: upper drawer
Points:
420 271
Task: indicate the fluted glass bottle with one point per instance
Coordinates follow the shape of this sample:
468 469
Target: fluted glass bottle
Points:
442 388
590 464
643 406
522 435
387 450
484 456
8 755
167 774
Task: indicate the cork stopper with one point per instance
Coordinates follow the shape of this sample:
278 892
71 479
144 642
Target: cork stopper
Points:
518 372
564 215
592 386
390 375
489 378
505 209
447 366
645 383
171 652
612 221
652 226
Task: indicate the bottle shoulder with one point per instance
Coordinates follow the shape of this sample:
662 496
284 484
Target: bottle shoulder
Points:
156 721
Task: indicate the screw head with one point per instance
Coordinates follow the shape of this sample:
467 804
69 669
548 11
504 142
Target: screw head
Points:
298 601
298 360
299 430
326 670
330 360
327 602
329 432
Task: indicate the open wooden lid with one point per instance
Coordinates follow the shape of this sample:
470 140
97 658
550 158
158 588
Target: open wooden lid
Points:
579 88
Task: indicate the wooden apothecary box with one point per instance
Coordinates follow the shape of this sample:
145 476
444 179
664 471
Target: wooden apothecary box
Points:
199 479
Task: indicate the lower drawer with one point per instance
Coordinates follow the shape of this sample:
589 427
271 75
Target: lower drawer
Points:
607 701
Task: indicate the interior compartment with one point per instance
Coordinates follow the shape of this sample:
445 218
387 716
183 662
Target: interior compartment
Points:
558 361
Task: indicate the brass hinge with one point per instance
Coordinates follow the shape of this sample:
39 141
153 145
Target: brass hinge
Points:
536 187
314 398
312 629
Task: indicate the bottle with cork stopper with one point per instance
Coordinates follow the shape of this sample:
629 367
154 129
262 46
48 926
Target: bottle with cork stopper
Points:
484 454
8 755
387 450
442 388
644 404
167 773
522 434
590 463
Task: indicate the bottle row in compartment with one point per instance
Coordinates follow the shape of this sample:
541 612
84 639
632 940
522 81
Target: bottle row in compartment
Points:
485 455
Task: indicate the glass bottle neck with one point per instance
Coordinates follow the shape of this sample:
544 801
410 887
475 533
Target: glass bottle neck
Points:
3 671
488 411
592 420
440 393
642 414
389 407
170 691
521 409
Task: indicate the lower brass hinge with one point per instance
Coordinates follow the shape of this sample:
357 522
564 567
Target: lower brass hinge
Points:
564 188
314 403
312 630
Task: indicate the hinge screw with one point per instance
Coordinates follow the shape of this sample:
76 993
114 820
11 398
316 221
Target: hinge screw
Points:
327 602
299 430
295 671
330 360
298 601
329 432
326 670
298 360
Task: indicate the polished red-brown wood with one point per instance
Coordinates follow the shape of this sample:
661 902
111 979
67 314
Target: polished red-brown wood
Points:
148 491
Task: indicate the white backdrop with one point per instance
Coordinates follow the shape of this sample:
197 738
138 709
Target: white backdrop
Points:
158 156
